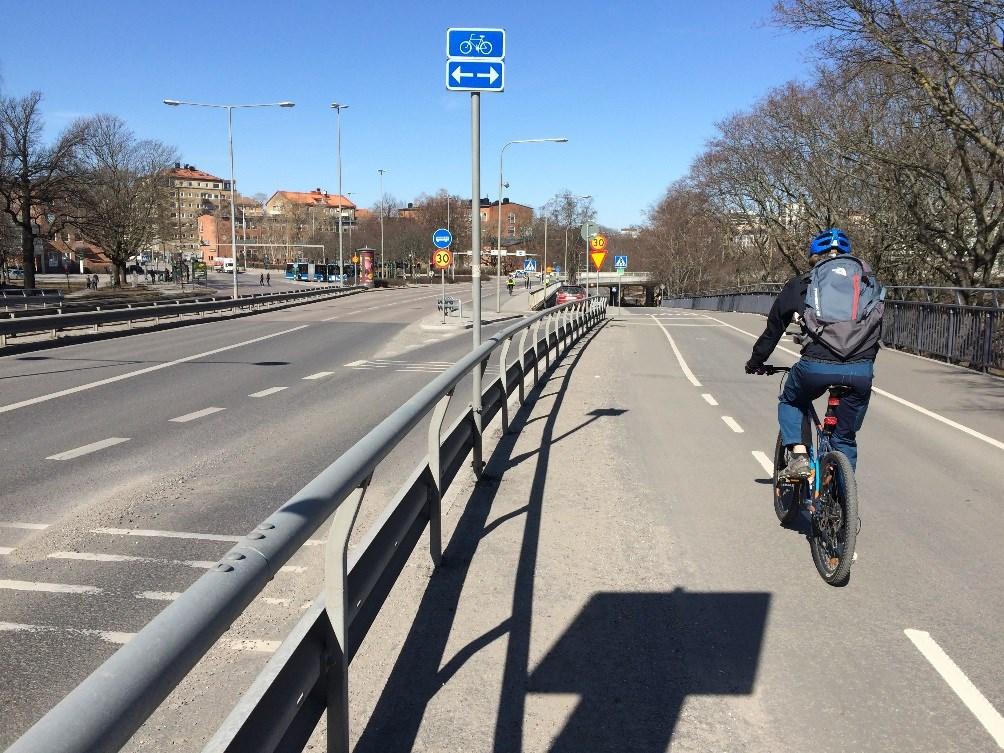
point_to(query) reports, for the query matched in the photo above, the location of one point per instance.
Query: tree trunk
(27, 245)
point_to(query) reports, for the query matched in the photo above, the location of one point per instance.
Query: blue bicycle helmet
(830, 240)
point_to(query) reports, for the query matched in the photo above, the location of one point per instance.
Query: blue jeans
(807, 381)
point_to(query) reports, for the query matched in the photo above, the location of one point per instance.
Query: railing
(53, 323)
(24, 298)
(540, 295)
(309, 672)
(966, 334)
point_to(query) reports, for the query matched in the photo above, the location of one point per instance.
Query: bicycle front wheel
(835, 519)
(785, 492)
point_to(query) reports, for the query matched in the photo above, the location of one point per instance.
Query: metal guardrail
(25, 298)
(53, 323)
(969, 335)
(309, 672)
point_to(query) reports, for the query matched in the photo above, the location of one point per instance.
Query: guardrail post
(436, 468)
(503, 358)
(547, 340)
(336, 590)
(522, 365)
(535, 339)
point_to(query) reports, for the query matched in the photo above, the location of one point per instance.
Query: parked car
(569, 293)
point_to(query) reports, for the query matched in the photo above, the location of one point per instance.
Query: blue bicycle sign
(475, 44)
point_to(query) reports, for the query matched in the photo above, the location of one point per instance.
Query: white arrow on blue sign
(442, 238)
(620, 262)
(530, 265)
(475, 76)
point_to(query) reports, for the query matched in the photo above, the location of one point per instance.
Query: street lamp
(341, 264)
(230, 143)
(383, 269)
(498, 273)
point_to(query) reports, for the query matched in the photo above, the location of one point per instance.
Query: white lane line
(102, 557)
(138, 372)
(709, 399)
(920, 409)
(266, 393)
(355, 363)
(968, 693)
(87, 449)
(679, 356)
(6, 549)
(53, 588)
(732, 424)
(158, 595)
(165, 534)
(109, 636)
(25, 526)
(381, 306)
(196, 414)
(320, 375)
(765, 462)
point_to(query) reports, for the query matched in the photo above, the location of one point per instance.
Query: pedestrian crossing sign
(620, 262)
(529, 265)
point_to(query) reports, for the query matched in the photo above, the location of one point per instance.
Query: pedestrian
(268, 279)
(261, 280)
(526, 282)
(95, 282)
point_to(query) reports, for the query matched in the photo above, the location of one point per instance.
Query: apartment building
(193, 193)
(321, 208)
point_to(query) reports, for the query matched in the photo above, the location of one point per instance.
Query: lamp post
(383, 268)
(337, 107)
(498, 273)
(230, 144)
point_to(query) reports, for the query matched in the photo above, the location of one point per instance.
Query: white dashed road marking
(355, 363)
(25, 526)
(159, 595)
(320, 375)
(165, 534)
(731, 423)
(53, 588)
(147, 370)
(101, 557)
(765, 462)
(196, 414)
(709, 399)
(266, 393)
(87, 449)
(968, 693)
(679, 356)
(111, 636)
(6, 549)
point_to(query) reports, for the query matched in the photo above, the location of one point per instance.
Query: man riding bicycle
(839, 306)
(510, 284)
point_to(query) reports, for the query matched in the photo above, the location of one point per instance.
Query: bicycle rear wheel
(785, 493)
(835, 519)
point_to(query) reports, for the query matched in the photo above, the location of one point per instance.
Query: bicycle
(476, 42)
(829, 494)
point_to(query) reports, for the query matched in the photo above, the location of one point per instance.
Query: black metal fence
(970, 335)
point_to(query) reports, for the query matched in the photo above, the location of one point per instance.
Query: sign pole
(442, 278)
(476, 268)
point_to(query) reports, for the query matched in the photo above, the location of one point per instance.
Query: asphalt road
(838, 669)
(129, 465)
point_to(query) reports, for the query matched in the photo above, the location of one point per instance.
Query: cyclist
(510, 283)
(824, 363)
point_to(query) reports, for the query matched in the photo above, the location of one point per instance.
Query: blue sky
(636, 87)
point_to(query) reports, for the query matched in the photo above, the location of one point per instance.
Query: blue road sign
(620, 262)
(530, 265)
(475, 76)
(557, 269)
(475, 44)
(442, 238)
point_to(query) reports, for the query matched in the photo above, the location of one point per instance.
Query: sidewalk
(553, 624)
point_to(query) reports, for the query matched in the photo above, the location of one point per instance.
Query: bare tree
(35, 177)
(122, 206)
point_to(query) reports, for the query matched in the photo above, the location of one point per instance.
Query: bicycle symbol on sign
(476, 42)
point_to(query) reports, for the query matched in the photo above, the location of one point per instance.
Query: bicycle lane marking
(895, 398)
(679, 356)
(961, 685)
(140, 372)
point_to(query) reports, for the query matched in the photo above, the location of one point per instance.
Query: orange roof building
(328, 204)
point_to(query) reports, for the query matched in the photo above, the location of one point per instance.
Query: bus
(299, 270)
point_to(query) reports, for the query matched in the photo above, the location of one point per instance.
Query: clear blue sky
(635, 86)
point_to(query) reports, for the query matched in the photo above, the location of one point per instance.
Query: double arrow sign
(476, 75)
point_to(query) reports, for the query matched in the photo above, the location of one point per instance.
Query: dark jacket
(790, 301)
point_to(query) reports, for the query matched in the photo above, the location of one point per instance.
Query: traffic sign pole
(476, 269)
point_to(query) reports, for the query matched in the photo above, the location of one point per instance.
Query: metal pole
(476, 267)
(543, 272)
(341, 262)
(442, 279)
(233, 211)
(382, 267)
(566, 253)
(498, 273)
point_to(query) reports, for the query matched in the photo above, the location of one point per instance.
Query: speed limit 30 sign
(442, 259)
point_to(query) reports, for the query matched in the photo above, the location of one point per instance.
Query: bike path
(625, 585)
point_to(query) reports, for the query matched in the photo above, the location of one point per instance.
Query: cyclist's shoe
(798, 468)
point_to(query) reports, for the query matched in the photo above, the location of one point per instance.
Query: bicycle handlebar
(767, 370)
